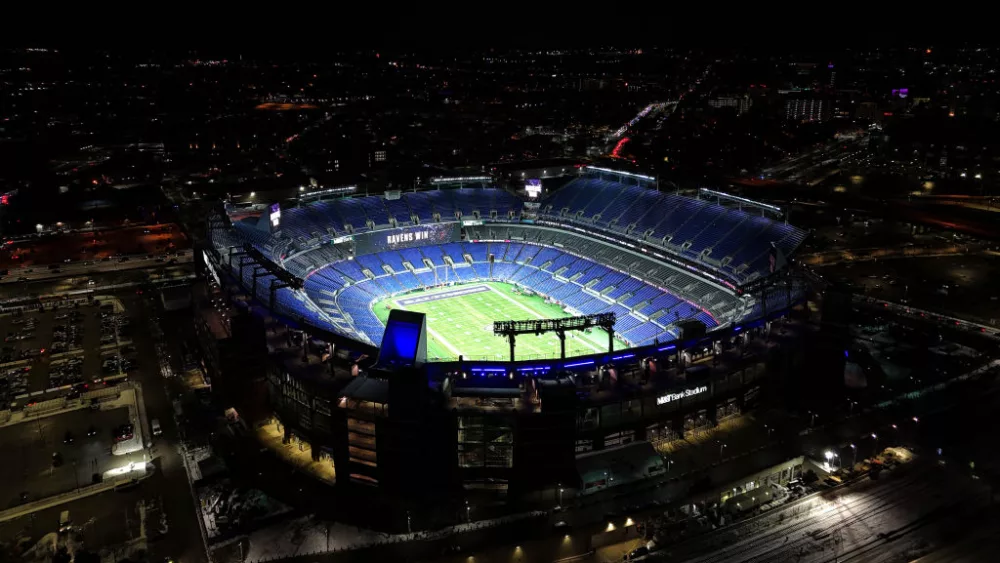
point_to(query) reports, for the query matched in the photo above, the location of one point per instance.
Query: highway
(71, 269)
(816, 163)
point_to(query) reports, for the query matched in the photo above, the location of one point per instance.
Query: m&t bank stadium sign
(664, 399)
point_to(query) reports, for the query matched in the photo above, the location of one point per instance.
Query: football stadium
(596, 245)
(507, 336)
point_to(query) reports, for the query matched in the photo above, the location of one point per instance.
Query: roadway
(32, 251)
(815, 162)
(888, 519)
(68, 284)
(88, 268)
(183, 540)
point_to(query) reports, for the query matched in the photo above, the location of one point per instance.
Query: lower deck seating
(341, 290)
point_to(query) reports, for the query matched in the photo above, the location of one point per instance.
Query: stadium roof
(364, 388)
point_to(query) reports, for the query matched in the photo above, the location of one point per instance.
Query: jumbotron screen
(275, 211)
(534, 187)
(406, 237)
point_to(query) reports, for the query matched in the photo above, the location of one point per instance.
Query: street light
(875, 437)
(854, 457)
(829, 455)
(721, 448)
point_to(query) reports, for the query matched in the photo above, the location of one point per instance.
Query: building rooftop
(364, 388)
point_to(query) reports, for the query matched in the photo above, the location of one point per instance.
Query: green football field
(460, 321)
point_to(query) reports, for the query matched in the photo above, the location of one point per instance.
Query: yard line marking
(438, 336)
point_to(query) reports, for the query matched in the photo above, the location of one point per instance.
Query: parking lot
(67, 350)
(59, 453)
(963, 286)
(108, 519)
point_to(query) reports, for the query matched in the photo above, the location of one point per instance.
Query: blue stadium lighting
(535, 368)
(491, 370)
(337, 302)
(621, 173)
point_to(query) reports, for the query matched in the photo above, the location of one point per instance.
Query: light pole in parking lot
(854, 456)
(830, 456)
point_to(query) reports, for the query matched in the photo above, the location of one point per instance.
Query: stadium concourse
(602, 243)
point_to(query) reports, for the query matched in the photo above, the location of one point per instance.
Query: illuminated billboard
(275, 215)
(534, 187)
(669, 397)
(407, 237)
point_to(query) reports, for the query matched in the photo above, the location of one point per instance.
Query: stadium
(614, 290)
(597, 245)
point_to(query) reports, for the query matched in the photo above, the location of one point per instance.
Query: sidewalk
(54, 407)
(269, 435)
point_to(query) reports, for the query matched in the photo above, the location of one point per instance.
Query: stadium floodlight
(454, 179)
(622, 173)
(724, 195)
(510, 329)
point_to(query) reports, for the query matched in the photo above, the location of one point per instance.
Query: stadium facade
(685, 277)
